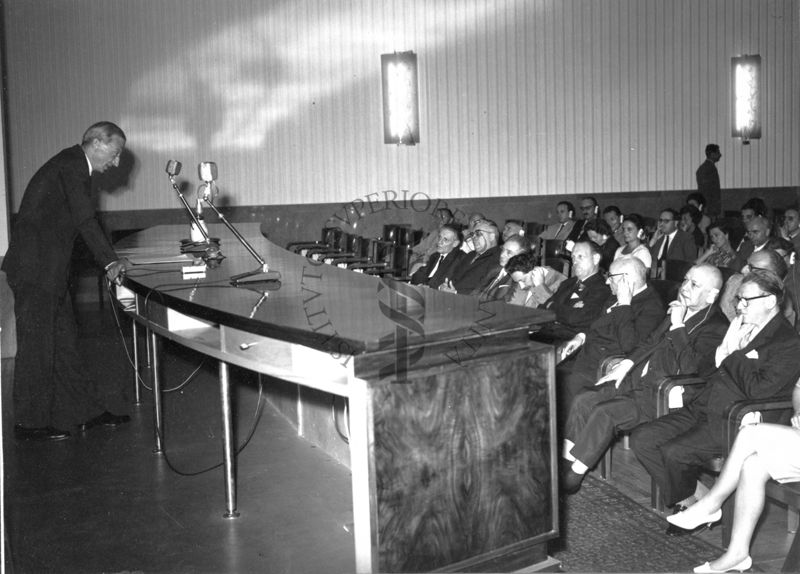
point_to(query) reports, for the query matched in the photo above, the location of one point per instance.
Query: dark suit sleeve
(769, 374)
(580, 318)
(634, 323)
(696, 354)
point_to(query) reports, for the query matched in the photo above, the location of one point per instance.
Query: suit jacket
(552, 230)
(766, 367)
(707, 177)
(619, 329)
(496, 288)
(576, 314)
(56, 207)
(472, 271)
(420, 277)
(577, 233)
(681, 247)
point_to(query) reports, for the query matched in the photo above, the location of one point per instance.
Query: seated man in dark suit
(679, 244)
(579, 300)
(630, 315)
(626, 397)
(441, 263)
(756, 359)
(499, 287)
(473, 269)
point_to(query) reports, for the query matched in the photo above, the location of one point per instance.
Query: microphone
(173, 168)
(208, 171)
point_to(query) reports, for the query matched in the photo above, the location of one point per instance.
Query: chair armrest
(607, 364)
(737, 410)
(667, 384)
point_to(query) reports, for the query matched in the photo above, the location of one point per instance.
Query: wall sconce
(746, 111)
(400, 98)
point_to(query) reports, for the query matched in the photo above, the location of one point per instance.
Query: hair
(590, 198)
(715, 274)
(612, 209)
(599, 226)
(636, 219)
(522, 262)
(102, 131)
(776, 264)
(698, 197)
(634, 266)
(452, 228)
(447, 212)
(711, 148)
(756, 204)
(675, 215)
(767, 281)
(723, 226)
(569, 205)
(594, 248)
(693, 212)
(516, 221)
(523, 243)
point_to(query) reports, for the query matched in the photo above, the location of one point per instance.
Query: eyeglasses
(745, 301)
(610, 275)
(662, 220)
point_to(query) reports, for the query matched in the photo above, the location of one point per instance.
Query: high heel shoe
(740, 567)
(684, 519)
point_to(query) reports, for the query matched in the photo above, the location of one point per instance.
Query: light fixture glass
(400, 98)
(745, 71)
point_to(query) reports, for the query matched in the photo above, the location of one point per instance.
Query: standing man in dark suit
(630, 316)
(626, 397)
(671, 242)
(474, 268)
(756, 359)
(51, 390)
(441, 263)
(707, 175)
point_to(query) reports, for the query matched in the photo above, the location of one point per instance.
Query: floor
(146, 512)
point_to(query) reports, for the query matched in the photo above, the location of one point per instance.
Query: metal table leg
(135, 334)
(227, 446)
(155, 344)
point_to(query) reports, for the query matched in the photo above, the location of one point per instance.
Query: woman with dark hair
(600, 232)
(634, 235)
(720, 252)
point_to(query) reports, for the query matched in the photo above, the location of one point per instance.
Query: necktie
(663, 255)
(560, 229)
(435, 267)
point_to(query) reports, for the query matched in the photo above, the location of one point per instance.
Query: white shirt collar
(88, 162)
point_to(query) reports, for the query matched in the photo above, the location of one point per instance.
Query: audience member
(565, 212)
(626, 396)
(440, 264)
(513, 228)
(766, 259)
(467, 245)
(671, 242)
(589, 210)
(579, 300)
(698, 200)
(707, 175)
(499, 286)
(761, 452)
(630, 315)
(753, 207)
(690, 218)
(600, 232)
(756, 359)
(791, 227)
(472, 271)
(613, 216)
(758, 232)
(720, 253)
(634, 235)
(427, 246)
(536, 284)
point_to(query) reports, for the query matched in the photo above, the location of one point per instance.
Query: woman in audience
(720, 252)
(690, 220)
(600, 232)
(634, 234)
(760, 452)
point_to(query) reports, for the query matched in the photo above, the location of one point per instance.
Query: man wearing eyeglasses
(671, 242)
(624, 398)
(632, 312)
(474, 268)
(756, 359)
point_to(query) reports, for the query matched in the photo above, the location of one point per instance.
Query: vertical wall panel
(517, 97)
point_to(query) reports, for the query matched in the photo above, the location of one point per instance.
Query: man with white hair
(684, 342)
(473, 269)
(632, 312)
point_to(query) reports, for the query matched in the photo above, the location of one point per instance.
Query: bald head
(700, 287)
(633, 268)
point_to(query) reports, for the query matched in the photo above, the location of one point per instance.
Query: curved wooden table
(452, 434)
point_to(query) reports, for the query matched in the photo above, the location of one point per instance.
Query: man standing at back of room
(707, 175)
(51, 390)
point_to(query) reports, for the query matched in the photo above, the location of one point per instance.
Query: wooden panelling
(517, 98)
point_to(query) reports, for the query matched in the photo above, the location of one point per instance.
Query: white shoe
(740, 567)
(684, 519)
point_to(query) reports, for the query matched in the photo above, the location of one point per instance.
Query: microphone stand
(257, 275)
(189, 209)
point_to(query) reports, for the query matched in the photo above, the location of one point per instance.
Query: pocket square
(752, 354)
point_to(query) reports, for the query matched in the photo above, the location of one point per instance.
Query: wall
(518, 97)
